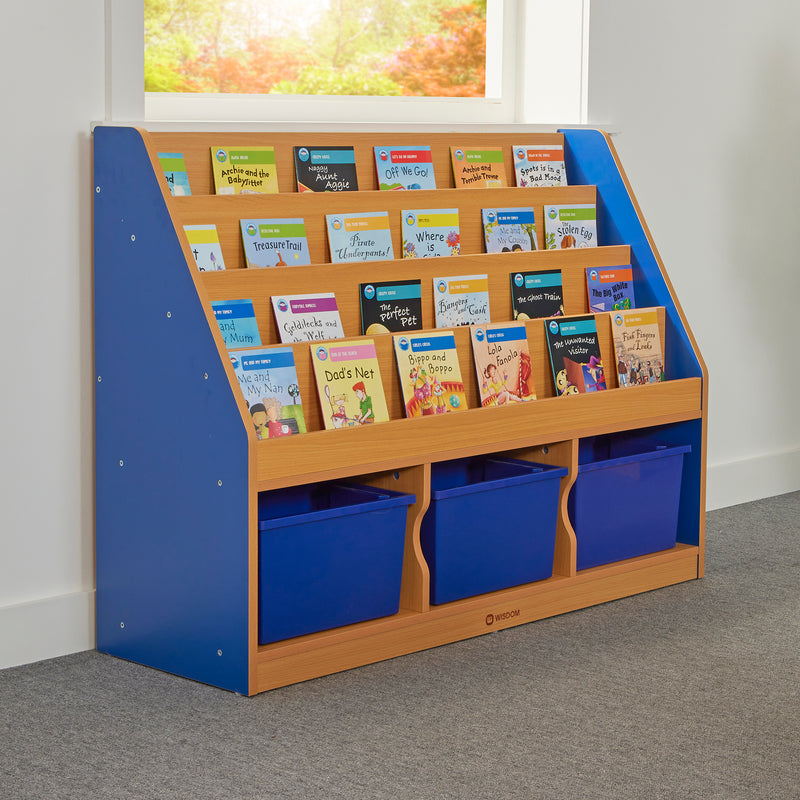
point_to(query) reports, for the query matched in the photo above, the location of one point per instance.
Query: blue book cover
(509, 230)
(610, 289)
(237, 322)
(364, 236)
(268, 380)
(431, 232)
(275, 242)
(175, 172)
(404, 168)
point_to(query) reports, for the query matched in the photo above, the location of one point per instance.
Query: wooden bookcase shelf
(179, 468)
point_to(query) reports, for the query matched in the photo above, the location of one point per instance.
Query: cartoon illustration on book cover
(637, 347)
(349, 384)
(430, 375)
(502, 363)
(570, 226)
(405, 167)
(509, 230)
(204, 244)
(575, 355)
(610, 289)
(268, 381)
(431, 232)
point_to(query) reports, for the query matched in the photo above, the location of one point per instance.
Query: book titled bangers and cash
(461, 300)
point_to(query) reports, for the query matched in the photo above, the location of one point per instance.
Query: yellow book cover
(637, 347)
(349, 383)
(244, 170)
(430, 375)
(482, 168)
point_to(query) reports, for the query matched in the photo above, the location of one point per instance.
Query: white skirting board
(47, 628)
(755, 478)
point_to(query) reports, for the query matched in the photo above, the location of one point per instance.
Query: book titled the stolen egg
(570, 226)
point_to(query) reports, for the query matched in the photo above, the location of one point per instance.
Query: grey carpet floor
(687, 692)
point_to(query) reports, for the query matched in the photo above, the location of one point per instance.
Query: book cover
(237, 323)
(325, 169)
(431, 232)
(404, 168)
(537, 294)
(268, 380)
(502, 363)
(637, 347)
(509, 230)
(539, 165)
(275, 242)
(206, 249)
(461, 300)
(174, 168)
(307, 317)
(391, 306)
(349, 383)
(362, 236)
(610, 288)
(570, 226)
(430, 375)
(478, 168)
(244, 170)
(575, 355)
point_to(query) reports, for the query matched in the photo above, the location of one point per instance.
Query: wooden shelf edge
(324, 653)
(404, 442)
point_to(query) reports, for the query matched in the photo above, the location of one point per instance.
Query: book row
(367, 236)
(252, 170)
(350, 388)
(396, 306)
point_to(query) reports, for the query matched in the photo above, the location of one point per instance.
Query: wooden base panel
(328, 652)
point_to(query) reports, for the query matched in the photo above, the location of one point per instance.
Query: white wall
(706, 96)
(51, 60)
(698, 89)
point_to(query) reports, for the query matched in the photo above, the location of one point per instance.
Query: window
(531, 70)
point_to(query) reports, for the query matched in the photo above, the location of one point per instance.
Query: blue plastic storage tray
(329, 555)
(491, 524)
(625, 500)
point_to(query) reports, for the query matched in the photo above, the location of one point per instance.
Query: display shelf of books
(219, 383)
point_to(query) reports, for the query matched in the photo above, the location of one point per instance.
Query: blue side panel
(589, 160)
(171, 448)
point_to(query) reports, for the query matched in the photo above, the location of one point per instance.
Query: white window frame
(516, 78)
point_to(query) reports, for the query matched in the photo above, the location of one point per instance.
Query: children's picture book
(431, 232)
(539, 165)
(575, 355)
(307, 317)
(362, 236)
(391, 306)
(430, 375)
(275, 242)
(237, 323)
(502, 363)
(610, 288)
(537, 294)
(349, 383)
(268, 380)
(478, 168)
(570, 226)
(404, 167)
(204, 243)
(174, 168)
(637, 347)
(461, 300)
(509, 230)
(244, 170)
(325, 169)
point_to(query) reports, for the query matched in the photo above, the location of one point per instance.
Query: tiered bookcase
(178, 465)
